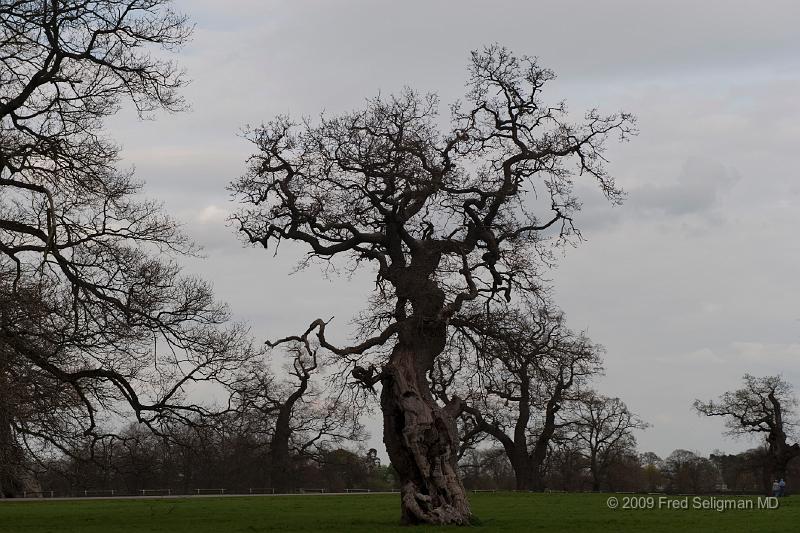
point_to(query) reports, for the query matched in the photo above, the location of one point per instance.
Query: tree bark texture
(422, 442)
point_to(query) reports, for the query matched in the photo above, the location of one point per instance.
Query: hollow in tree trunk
(422, 441)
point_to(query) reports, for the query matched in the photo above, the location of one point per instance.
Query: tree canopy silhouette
(95, 315)
(766, 406)
(445, 217)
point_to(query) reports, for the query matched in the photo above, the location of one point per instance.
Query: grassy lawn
(497, 512)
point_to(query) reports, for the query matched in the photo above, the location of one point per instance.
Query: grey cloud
(699, 189)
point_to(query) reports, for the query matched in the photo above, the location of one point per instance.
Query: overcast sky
(690, 284)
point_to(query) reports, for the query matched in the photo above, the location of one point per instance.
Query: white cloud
(213, 213)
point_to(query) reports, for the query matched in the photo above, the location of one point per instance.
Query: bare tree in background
(566, 466)
(296, 416)
(529, 365)
(687, 472)
(445, 218)
(763, 406)
(604, 428)
(93, 318)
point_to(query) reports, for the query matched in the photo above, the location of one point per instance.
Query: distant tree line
(681, 472)
(210, 459)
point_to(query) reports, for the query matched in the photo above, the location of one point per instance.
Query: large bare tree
(294, 415)
(445, 217)
(95, 314)
(528, 367)
(763, 406)
(603, 426)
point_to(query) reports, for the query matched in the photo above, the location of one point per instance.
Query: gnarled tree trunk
(780, 453)
(421, 437)
(422, 441)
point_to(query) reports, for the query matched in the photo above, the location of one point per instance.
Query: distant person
(782, 488)
(776, 488)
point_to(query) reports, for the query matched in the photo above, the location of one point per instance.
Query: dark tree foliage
(686, 472)
(94, 315)
(652, 475)
(444, 217)
(763, 406)
(749, 471)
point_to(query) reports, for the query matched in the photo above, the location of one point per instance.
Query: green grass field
(496, 512)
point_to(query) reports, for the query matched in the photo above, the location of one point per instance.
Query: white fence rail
(156, 492)
(209, 491)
